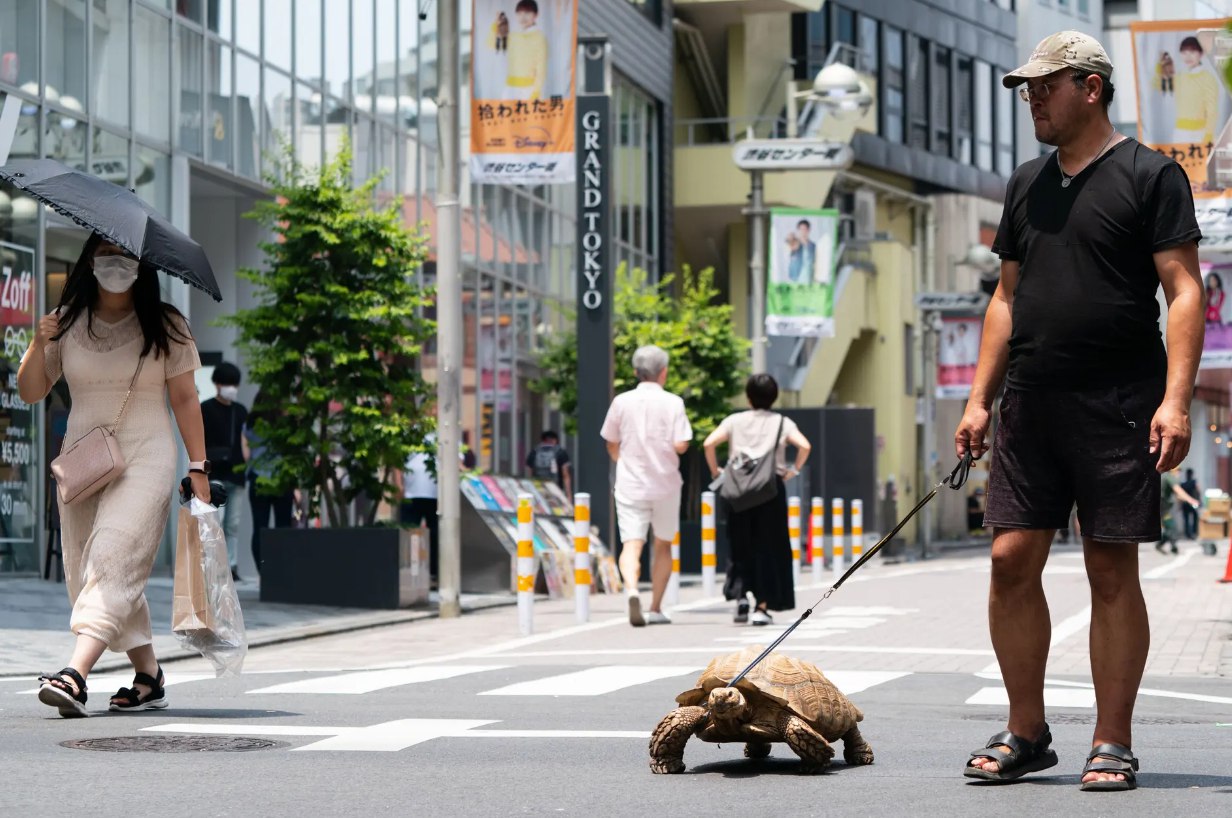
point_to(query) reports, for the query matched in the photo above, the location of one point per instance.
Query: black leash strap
(956, 479)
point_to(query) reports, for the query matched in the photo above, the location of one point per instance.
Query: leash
(956, 479)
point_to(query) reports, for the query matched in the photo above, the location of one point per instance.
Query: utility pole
(756, 212)
(449, 310)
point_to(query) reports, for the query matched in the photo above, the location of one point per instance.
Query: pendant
(1065, 182)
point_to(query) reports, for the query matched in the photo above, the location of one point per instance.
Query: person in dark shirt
(550, 461)
(227, 450)
(1094, 410)
(1189, 512)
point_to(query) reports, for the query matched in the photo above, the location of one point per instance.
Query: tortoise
(781, 699)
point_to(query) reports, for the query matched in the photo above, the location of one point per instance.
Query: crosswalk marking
(104, 681)
(1053, 697)
(594, 681)
(370, 680)
(857, 681)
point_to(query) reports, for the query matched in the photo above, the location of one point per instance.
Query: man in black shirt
(1094, 410)
(227, 450)
(550, 461)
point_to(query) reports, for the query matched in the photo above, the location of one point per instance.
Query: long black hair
(158, 319)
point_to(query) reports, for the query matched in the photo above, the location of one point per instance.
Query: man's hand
(972, 430)
(1170, 434)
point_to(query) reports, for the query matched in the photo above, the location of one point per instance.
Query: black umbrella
(117, 214)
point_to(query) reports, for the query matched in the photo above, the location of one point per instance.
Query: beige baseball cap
(1065, 49)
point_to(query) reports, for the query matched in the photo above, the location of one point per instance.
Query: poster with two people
(524, 55)
(800, 295)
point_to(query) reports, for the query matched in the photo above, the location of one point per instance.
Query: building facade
(190, 102)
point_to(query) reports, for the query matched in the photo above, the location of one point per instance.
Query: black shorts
(1053, 450)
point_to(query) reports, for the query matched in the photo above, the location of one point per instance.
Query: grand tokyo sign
(792, 154)
(592, 215)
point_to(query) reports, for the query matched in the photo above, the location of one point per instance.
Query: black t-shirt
(224, 428)
(547, 461)
(1085, 313)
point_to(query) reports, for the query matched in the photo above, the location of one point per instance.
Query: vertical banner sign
(17, 432)
(1217, 345)
(593, 277)
(1182, 105)
(958, 350)
(800, 268)
(522, 91)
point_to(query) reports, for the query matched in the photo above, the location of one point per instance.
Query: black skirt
(761, 554)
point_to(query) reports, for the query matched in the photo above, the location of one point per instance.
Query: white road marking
(1053, 697)
(796, 648)
(368, 681)
(104, 681)
(1171, 565)
(1060, 632)
(594, 681)
(857, 681)
(1145, 691)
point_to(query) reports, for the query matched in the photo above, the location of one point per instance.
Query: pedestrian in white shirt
(419, 497)
(646, 430)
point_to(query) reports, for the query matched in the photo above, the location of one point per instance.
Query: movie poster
(800, 291)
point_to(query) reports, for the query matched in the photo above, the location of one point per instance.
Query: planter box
(345, 567)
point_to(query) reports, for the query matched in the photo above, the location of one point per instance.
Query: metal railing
(721, 130)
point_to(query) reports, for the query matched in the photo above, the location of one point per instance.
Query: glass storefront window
(19, 56)
(152, 81)
(191, 89)
(276, 128)
(109, 156)
(893, 82)
(248, 25)
(983, 115)
(191, 9)
(941, 100)
(248, 122)
(109, 100)
(1005, 128)
(66, 53)
(64, 138)
(220, 112)
(278, 33)
(219, 19)
(964, 97)
(386, 83)
(152, 178)
(308, 40)
(363, 53)
(308, 124)
(337, 49)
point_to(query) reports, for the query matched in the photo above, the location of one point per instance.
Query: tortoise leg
(856, 751)
(811, 746)
(756, 749)
(669, 737)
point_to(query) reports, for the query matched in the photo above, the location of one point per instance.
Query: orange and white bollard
(709, 559)
(857, 530)
(817, 554)
(672, 597)
(581, 555)
(839, 535)
(526, 565)
(793, 534)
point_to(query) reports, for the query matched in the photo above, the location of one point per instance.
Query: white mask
(115, 274)
(228, 392)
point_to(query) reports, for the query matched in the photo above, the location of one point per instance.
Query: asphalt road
(465, 718)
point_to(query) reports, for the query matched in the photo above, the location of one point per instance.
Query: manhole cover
(173, 744)
(1087, 718)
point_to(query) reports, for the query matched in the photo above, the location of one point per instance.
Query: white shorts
(661, 514)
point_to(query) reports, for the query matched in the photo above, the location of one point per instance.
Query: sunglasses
(1041, 91)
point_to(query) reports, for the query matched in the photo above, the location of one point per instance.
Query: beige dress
(110, 539)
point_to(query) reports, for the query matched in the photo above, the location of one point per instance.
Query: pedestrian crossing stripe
(593, 681)
(371, 680)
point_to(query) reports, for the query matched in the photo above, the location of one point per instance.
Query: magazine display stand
(490, 530)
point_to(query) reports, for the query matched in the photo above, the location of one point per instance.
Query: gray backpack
(747, 482)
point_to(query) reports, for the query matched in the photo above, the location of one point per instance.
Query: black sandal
(1112, 758)
(1024, 757)
(56, 692)
(131, 699)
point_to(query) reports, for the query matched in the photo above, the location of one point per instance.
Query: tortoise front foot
(815, 753)
(669, 737)
(856, 751)
(756, 750)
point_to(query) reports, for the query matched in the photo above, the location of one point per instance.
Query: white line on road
(1171, 565)
(1053, 697)
(1145, 691)
(857, 681)
(594, 681)
(1060, 632)
(368, 681)
(796, 648)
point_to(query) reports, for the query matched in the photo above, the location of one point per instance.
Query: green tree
(708, 359)
(336, 339)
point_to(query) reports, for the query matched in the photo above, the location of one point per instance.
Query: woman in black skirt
(760, 545)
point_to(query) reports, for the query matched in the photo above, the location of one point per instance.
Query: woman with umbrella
(111, 335)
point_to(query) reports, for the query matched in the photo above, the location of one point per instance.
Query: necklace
(1065, 180)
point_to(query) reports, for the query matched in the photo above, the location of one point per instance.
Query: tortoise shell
(780, 680)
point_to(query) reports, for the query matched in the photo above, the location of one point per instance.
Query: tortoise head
(727, 703)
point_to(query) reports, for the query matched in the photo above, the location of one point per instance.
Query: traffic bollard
(837, 532)
(581, 555)
(526, 565)
(793, 533)
(672, 597)
(708, 530)
(817, 554)
(857, 530)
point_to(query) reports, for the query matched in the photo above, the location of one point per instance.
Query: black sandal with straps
(1024, 757)
(56, 692)
(1111, 758)
(131, 700)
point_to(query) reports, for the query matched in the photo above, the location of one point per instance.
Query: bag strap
(116, 423)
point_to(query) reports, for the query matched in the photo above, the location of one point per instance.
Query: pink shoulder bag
(94, 459)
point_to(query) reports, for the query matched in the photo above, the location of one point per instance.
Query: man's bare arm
(1178, 272)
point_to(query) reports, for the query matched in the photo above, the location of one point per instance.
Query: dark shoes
(1024, 756)
(742, 612)
(130, 700)
(65, 691)
(235, 575)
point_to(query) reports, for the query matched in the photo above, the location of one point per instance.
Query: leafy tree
(336, 338)
(708, 358)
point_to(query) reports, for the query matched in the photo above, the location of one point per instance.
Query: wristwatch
(199, 466)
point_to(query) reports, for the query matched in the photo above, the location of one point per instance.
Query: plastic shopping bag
(205, 609)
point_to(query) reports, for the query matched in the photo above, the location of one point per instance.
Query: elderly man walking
(646, 432)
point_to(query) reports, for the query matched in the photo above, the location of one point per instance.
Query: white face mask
(115, 274)
(228, 392)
